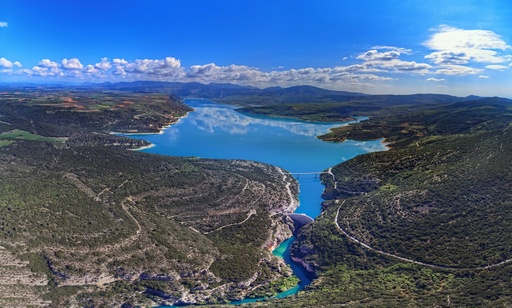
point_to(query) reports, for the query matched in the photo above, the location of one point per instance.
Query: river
(217, 131)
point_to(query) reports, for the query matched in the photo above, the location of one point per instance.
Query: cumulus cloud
(72, 64)
(167, 66)
(5, 63)
(3, 24)
(48, 68)
(483, 76)
(386, 59)
(454, 46)
(92, 70)
(119, 62)
(240, 73)
(17, 64)
(45, 71)
(374, 55)
(103, 65)
(376, 66)
(435, 79)
(48, 63)
(170, 69)
(464, 52)
(246, 75)
(119, 71)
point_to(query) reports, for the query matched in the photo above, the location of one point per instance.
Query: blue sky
(371, 46)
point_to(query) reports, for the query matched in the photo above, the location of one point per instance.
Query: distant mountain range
(248, 95)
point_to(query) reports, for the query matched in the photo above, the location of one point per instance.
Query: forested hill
(429, 220)
(231, 93)
(84, 222)
(277, 96)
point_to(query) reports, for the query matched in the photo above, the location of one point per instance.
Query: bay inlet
(217, 131)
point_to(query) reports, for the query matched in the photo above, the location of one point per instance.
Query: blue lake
(217, 131)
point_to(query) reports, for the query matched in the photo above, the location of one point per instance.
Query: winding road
(436, 266)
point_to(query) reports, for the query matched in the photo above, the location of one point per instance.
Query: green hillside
(434, 213)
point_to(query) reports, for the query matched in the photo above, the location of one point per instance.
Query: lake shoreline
(289, 145)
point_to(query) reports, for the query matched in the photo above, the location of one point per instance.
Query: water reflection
(212, 119)
(217, 131)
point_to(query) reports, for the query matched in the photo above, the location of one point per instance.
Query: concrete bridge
(315, 174)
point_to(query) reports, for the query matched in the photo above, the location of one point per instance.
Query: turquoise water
(217, 131)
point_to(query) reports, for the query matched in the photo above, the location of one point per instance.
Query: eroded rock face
(19, 286)
(303, 251)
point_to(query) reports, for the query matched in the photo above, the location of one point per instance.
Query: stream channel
(217, 131)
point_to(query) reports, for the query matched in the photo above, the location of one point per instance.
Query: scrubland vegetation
(100, 225)
(85, 222)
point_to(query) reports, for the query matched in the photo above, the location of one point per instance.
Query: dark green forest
(440, 195)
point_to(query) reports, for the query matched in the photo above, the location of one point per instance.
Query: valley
(424, 223)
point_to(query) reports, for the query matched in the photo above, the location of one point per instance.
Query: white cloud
(48, 63)
(374, 68)
(391, 53)
(91, 70)
(448, 57)
(457, 70)
(18, 64)
(462, 52)
(119, 62)
(3, 24)
(150, 69)
(119, 71)
(170, 69)
(435, 79)
(374, 55)
(386, 59)
(240, 73)
(45, 71)
(454, 46)
(72, 64)
(483, 76)
(496, 67)
(103, 65)
(156, 67)
(5, 63)
(399, 49)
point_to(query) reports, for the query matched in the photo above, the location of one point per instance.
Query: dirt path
(139, 228)
(293, 202)
(251, 212)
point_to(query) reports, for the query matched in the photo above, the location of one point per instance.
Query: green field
(6, 138)
(5, 142)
